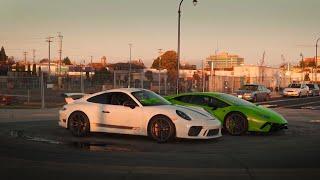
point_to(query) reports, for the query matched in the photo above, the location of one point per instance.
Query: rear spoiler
(70, 97)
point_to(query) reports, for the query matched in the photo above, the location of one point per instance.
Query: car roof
(124, 90)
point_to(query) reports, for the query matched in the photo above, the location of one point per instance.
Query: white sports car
(137, 112)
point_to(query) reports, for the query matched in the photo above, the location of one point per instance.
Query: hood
(194, 113)
(267, 114)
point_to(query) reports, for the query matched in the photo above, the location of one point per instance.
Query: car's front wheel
(161, 129)
(236, 124)
(79, 124)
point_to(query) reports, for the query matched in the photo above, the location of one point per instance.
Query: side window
(118, 98)
(217, 103)
(100, 99)
(185, 99)
(200, 100)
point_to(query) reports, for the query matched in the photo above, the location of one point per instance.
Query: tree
(168, 61)
(66, 61)
(3, 56)
(306, 77)
(44, 61)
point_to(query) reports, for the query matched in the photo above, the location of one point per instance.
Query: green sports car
(237, 116)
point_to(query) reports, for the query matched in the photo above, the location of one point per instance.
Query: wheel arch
(161, 115)
(77, 111)
(231, 112)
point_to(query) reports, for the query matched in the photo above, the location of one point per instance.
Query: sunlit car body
(225, 107)
(296, 90)
(137, 112)
(253, 92)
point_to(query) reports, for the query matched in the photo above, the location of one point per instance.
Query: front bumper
(291, 93)
(245, 97)
(198, 130)
(274, 126)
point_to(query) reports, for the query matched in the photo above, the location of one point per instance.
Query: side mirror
(129, 104)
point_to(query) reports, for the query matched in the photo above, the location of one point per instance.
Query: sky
(105, 28)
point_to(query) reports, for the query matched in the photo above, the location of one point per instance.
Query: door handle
(105, 111)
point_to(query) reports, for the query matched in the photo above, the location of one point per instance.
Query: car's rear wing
(70, 97)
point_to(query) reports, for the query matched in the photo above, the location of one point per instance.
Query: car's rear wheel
(79, 124)
(161, 129)
(236, 124)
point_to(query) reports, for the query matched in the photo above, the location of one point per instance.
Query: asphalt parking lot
(34, 147)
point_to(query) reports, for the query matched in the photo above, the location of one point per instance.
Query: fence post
(114, 79)
(28, 95)
(42, 91)
(142, 77)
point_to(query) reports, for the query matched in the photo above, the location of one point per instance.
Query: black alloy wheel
(79, 124)
(161, 129)
(236, 124)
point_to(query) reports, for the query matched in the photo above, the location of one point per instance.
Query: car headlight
(183, 115)
(63, 108)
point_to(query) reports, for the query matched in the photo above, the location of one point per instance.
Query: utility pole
(160, 53)
(203, 76)
(49, 48)
(33, 56)
(316, 59)
(60, 51)
(129, 83)
(91, 57)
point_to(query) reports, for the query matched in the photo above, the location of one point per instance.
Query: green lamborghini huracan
(237, 116)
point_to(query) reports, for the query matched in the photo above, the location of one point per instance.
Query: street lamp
(316, 59)
(302, 67)
(178, 51)
(129, 78)
(160, 53)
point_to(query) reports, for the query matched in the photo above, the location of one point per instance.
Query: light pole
(160, 53)
(129, 79)
(316, 59)
(302, 67)
(178, 51)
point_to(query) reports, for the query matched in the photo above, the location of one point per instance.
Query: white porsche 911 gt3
(137, 112)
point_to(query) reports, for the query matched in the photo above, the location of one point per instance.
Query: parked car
(236, 115)
(253, 92)
(137, 112)
(8, 100)
(313, 89)
(296, 89)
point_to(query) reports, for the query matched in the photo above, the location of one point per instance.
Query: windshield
(235, 100)
(294, 85)
(149, 98)
(311, 86)
(249, 87)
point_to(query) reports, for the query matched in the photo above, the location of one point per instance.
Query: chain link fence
(28, 89)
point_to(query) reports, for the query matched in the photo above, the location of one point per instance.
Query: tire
(236, 124)
(78, 124)
(161, 129)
